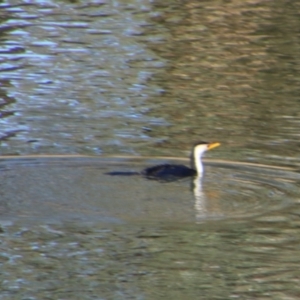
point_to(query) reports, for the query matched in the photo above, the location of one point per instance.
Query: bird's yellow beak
(213, 145)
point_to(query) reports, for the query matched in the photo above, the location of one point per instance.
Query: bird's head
(198, 150)
(201, 147)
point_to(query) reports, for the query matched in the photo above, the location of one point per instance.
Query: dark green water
(148, 78)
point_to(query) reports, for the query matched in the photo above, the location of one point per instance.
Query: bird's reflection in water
(200, 199)
(206, 205)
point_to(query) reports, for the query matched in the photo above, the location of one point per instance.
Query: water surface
(146, 78)
(70, 230)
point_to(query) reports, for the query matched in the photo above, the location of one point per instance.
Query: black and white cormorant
(179, 171)
(170, 171)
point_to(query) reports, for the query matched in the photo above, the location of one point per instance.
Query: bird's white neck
(198, 151)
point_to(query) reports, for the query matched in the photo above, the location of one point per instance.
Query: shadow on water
(64, 220)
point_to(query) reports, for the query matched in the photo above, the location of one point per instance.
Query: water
(76, 188)
(146, 262)
(146, 79)
(69, 230)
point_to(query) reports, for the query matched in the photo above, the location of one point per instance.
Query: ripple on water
(77, 187)
(69, 229)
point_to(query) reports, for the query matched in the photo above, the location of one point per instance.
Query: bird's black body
(164, 172)
(168, 171)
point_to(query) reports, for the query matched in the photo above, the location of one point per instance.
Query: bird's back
(168, 171)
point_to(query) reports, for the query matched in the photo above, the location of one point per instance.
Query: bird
(170, 172)
(181, 171)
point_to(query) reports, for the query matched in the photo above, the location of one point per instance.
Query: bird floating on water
(172, 172)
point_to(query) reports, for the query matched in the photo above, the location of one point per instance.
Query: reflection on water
(200, 198)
